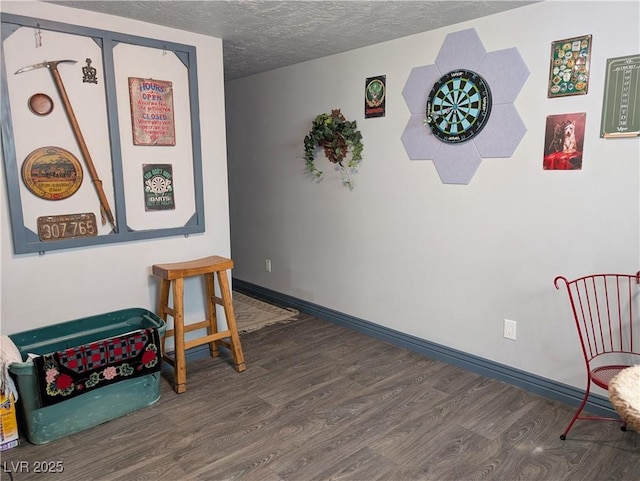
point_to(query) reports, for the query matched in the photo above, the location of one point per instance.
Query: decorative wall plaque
(158, 187)
(152, 112)
(569, 70)
(52, 173)
(375, 96)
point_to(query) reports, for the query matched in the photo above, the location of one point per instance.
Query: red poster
(152, 112)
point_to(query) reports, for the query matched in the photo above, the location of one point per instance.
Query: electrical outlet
(267, 265)
(509, 329)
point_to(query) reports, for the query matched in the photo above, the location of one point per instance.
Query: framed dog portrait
(564, 140)
(569, 69)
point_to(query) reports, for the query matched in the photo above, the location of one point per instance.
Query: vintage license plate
(70, 226)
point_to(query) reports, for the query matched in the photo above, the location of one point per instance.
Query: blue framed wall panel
(131, 222)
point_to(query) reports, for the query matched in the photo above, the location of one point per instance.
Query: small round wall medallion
(40, 104)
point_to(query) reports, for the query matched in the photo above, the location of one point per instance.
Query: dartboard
(458, 106)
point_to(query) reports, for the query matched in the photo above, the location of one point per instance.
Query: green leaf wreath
(336, 136)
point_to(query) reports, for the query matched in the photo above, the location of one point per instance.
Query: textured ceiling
(264, 35)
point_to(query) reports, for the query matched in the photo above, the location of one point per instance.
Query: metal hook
(38, 35)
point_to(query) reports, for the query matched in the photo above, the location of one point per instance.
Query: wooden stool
(176, 272)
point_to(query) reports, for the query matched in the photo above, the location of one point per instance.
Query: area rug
(253, 314)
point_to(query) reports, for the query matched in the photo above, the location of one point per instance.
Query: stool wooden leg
(180, 368)
(163, 304)
(211, 312)
(236, 348)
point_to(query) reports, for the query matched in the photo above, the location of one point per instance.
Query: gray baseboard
(548, 388)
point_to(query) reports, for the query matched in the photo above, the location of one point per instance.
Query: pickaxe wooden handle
(57, 79)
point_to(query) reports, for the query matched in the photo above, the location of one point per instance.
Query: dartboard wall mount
(462, 107)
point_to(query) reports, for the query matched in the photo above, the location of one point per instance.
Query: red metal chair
(606, 310)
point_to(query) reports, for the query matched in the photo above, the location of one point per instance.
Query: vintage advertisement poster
(158, 187)
(564, 138)
(375, 91)
(152, 118)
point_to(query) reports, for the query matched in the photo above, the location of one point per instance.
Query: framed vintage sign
(79, 128)
(158, 187)
(621, 100)
(152, 119)
(569, 68)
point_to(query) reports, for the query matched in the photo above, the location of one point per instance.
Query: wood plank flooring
(321, 402)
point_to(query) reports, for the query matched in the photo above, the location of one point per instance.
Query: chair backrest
(606, 309)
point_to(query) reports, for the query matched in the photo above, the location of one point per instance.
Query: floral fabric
(74, 371)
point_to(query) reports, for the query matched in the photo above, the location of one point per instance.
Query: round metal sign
(52, 173)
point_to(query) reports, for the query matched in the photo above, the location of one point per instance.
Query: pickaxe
(53, 68)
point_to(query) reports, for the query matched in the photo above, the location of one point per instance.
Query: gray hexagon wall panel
(502, 134)
(414, 93)
(460, 50)
(504, 71)
(416, 139)
(456, 164)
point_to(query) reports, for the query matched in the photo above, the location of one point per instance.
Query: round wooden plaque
(52, 173)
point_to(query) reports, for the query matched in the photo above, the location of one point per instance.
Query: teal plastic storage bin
(44, 423)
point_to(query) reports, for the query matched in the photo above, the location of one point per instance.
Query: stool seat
(172, 277)
(192, 268)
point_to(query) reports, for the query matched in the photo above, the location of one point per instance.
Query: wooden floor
(321, 402)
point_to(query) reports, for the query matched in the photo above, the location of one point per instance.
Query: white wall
(68, 284)
(446, 263)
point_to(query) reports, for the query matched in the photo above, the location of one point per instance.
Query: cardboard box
(8, 423)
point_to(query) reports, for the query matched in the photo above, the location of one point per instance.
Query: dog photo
(564, 138)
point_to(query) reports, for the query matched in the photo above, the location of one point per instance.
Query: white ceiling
(268, 34)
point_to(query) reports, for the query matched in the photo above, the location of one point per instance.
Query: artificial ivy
(337, 136)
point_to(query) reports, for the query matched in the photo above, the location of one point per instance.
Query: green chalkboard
(621, 102)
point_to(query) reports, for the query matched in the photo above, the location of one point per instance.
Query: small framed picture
(564, 140)
(375, 90)
(569, 69)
